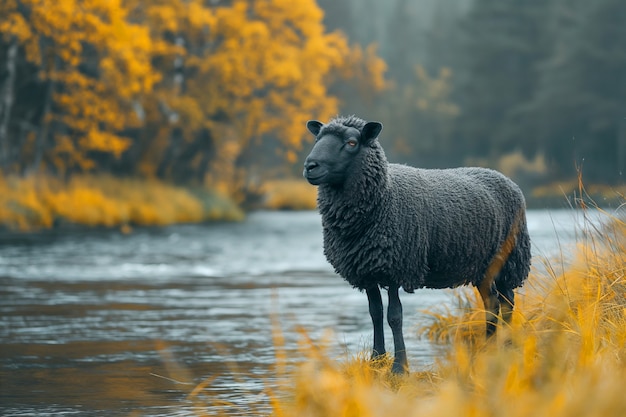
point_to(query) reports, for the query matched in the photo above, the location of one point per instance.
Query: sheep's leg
(394, 318)
(376, 312)
(489, 294)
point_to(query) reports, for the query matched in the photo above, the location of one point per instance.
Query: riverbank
(39, 203)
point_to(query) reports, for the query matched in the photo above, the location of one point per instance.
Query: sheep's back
(449, 224)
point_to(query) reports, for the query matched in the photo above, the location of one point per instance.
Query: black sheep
(395, 226)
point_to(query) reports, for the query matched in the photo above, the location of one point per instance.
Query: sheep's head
(336, 147)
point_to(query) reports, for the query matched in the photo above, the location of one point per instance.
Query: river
(102, 323)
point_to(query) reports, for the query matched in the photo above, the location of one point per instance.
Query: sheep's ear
(370, 131)
(314, 126)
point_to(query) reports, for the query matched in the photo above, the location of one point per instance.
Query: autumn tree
(238, 75)
(76, 80)
(181, 90)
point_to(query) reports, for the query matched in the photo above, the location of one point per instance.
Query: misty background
(534, 88)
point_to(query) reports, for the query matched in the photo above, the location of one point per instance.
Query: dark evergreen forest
(534, 87)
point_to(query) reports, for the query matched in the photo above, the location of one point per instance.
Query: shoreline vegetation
(42, 203)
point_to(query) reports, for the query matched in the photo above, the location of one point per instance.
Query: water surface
(101, 323)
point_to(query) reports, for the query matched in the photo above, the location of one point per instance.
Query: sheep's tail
(508, 270)
(511, 264)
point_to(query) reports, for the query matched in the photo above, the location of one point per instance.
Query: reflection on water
(99, 322)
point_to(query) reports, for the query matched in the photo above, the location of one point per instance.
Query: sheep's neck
(349, 209)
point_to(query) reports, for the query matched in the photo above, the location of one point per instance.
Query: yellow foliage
(105, 142)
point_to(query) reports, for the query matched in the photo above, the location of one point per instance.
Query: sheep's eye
(352, 143)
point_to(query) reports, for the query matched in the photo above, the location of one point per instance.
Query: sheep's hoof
(399, 368)
(378, 355)
(378, 360)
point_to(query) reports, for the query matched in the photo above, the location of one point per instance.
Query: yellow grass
(42, 202)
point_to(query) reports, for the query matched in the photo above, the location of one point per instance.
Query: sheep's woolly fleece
(391, 224)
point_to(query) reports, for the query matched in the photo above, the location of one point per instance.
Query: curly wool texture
(391, 224)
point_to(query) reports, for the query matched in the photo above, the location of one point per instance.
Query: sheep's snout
(310, 165)
(312, 171)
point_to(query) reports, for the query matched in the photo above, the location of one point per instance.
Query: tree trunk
(179, 68)
(173, 151)
(42, 134)
(207, 154)
(6, 106)
(171, 154)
